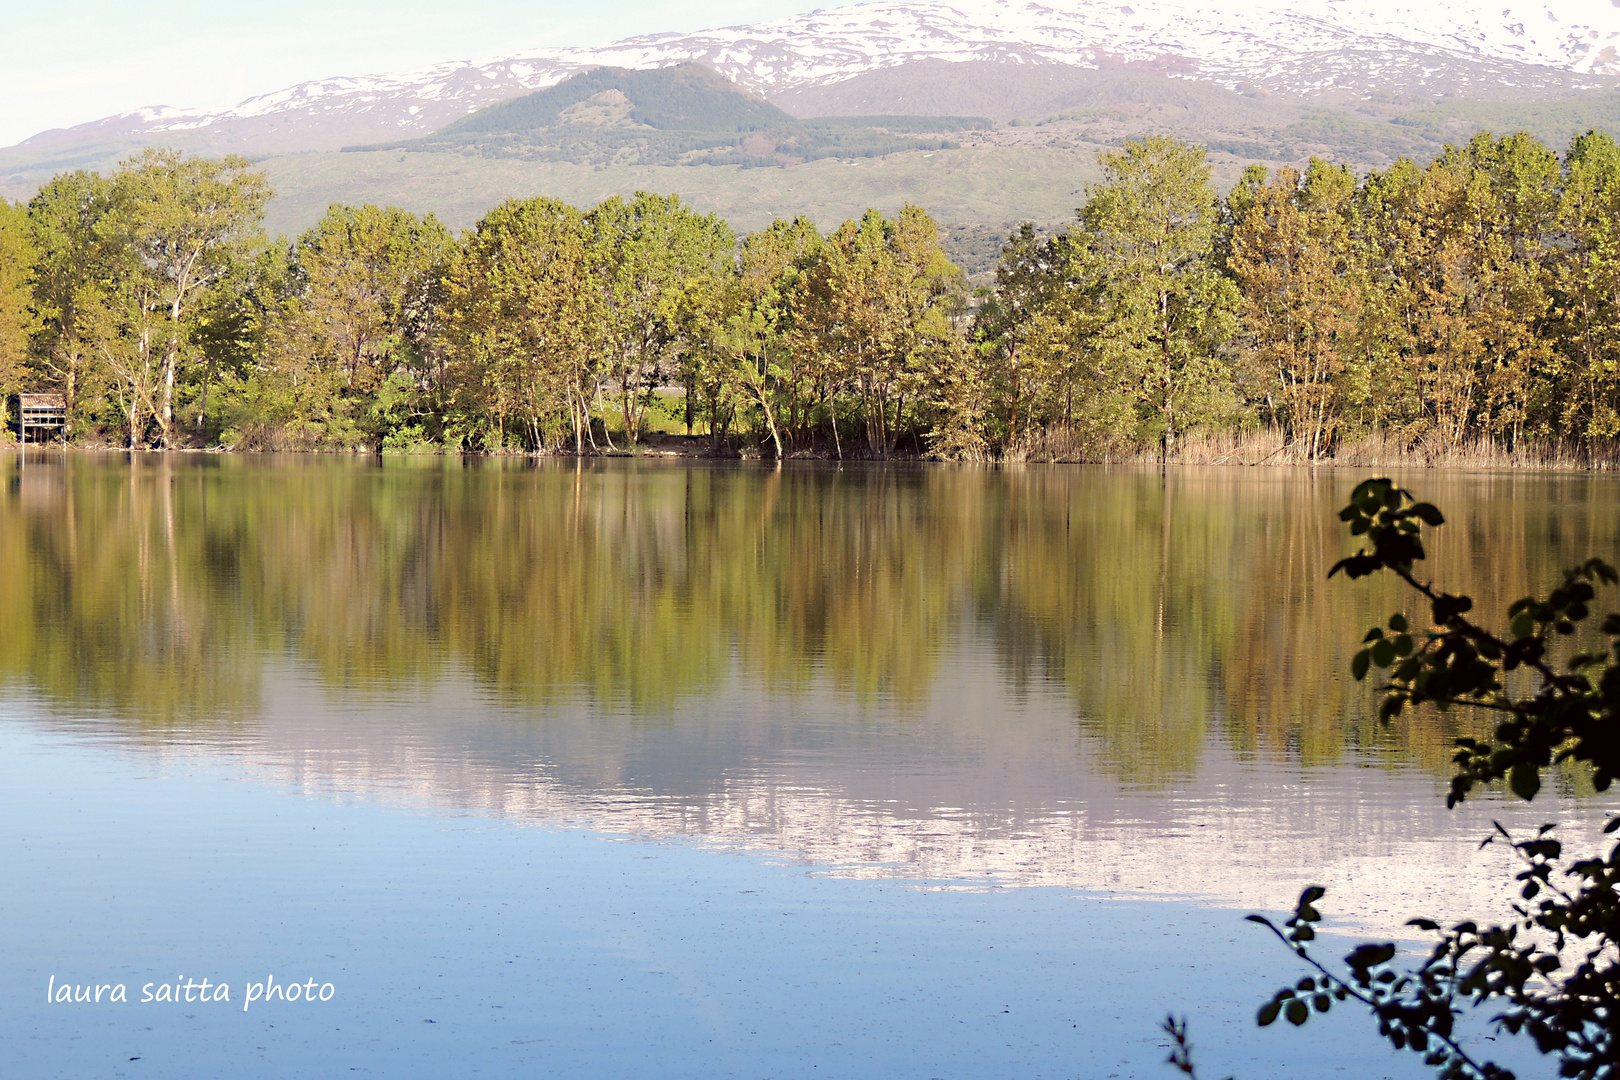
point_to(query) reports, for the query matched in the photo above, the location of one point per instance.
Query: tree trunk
(202, 410)
(770, 422)
(166, 418)
(72, 399)
(606, 434)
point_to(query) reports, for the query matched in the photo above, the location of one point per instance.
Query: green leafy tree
(525, 320)
(1008, 332)
(18, 321)
(878, 311)
(225, 334)
(1162, 308)
(347, 334)
(653, 250)
(1290, 255)
(122, 323)
(1472, 302)
(1044, 372)
(1587, 289)
(756, 334)
(182, 220)
(1474, 241)
(70, 270)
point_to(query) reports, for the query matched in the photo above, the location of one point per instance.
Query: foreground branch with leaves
(1554, 969)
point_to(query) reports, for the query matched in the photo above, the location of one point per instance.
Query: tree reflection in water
(1169, 607)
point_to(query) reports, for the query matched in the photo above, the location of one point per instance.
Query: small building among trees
(44, 413)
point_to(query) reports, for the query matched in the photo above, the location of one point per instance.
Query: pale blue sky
(70, 61)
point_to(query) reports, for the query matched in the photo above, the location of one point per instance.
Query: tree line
(1475, 300)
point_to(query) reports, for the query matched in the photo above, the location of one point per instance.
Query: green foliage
(1443, 307)
(1126, 313)
(128, 284)
(1554, 969)
(1009, 333)
(522, 325)
(63, 219)
(176, 224)
(878, 309)
(18, 321)
(756, 320)
(1471, 303)
(1584, 286)
(1571, 717)
(1160, 307)
(1291, 254)
(350, 322)
(658, 254)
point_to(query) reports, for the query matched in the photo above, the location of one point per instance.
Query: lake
(639, 768)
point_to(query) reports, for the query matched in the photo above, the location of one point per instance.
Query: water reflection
(1108, 678)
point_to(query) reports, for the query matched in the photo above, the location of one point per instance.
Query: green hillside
(1553, 122)
(1369, 135)
(984, 191)
(681, 115)
(686, 97)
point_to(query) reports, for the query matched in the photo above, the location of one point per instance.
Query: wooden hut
(42, 412)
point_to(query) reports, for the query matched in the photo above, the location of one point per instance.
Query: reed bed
(1269, 446)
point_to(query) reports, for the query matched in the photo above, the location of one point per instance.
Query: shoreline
(755, 459)
(1249, 450)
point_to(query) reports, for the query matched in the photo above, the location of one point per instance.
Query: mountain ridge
(1319, 48)
(686, 114)
(1335, 78)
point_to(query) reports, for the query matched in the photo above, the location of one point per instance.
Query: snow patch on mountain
(1300, 46)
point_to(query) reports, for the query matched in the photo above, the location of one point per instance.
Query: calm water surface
(679, 770)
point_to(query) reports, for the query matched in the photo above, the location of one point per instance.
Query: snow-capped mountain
(1342, 47)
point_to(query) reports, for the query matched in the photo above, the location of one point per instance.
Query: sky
(66, 62)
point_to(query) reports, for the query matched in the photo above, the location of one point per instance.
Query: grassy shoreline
(1248, 449)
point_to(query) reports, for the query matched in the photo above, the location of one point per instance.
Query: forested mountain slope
(682, 115)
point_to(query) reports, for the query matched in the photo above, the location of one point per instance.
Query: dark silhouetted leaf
(1428, 513)
(1525, 780)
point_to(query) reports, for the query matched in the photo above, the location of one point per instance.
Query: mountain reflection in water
(1099, 678)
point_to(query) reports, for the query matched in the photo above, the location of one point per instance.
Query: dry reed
(1269, 446)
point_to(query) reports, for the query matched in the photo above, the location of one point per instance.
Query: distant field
(986, 185)
(1036, 173)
